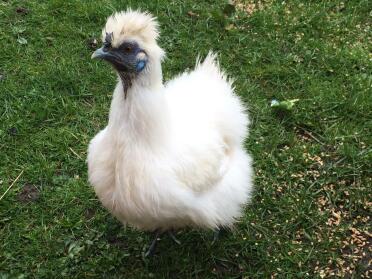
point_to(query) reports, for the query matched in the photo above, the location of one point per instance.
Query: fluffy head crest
(131, 24)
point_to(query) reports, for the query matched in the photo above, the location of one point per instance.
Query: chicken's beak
(114, 57)
(100, 53)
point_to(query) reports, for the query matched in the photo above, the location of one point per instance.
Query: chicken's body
(172, 155)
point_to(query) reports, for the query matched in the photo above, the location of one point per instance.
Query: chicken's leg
(173, 237)
(217, 233)
(158, 233)
(151, 249)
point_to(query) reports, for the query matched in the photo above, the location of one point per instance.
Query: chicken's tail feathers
(210, 63)
(211, 66)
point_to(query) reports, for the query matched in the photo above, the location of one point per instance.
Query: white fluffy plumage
(171, 155)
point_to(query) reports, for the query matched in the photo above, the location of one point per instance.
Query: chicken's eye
(128, 49)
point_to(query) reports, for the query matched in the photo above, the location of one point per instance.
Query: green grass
(311, 209)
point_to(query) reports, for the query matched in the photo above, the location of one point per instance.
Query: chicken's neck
(140, 116)
(126, 81)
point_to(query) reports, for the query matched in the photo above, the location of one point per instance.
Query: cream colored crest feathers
(131, 24)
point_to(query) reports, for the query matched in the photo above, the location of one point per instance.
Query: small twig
(11, 185)
(339, 161)
(75, 153)
(315, 138)
(311, 135)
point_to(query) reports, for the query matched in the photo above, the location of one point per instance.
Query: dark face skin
(128, 59)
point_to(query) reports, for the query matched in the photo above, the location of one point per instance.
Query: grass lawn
(310, 214)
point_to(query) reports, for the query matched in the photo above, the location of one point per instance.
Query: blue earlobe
(140, 65)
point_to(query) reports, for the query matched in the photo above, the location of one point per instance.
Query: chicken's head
(129, 42)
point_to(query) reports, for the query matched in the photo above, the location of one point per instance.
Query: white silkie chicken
(172, 154)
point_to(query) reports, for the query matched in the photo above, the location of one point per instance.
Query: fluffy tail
(232, 116)
(211, 66)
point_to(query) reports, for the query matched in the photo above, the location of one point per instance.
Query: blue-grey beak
(99, 53)
(115, 57)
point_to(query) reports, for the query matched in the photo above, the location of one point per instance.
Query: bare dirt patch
(29, 193)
